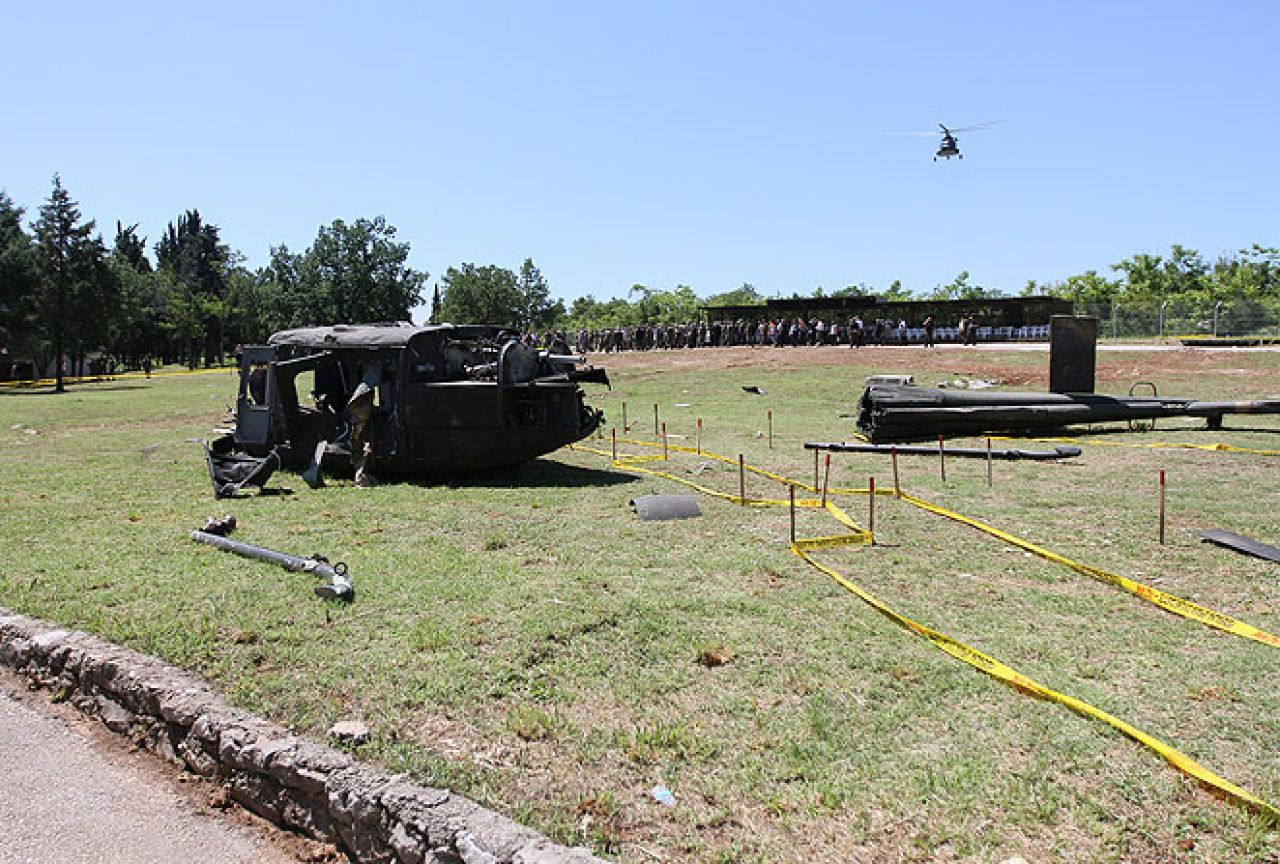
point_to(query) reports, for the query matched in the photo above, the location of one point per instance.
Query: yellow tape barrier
(971, 656)
(1170, 602)
(117, 376)
(1009, 675)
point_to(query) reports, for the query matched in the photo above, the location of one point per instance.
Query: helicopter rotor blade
(973, 128)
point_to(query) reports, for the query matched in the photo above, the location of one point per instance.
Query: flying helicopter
(949, 146)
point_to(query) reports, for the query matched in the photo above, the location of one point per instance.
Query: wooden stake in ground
(871, 508)
(942, 459)
(625, 427)
(793, 513)
(699, 436)
(826, 478)
(988, 463)
(664, 441)
(742, 480)
(770, 428)
(897, 489)
(1161, 506)
(613, 439)
(655, 418)
(815, 472)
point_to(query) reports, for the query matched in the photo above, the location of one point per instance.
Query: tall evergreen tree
(195, 262)
(68, 261)
(17, 283)
(536, 309)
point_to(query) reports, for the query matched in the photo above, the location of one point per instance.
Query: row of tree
(64, 294)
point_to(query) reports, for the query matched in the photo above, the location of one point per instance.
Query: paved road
(73, 793)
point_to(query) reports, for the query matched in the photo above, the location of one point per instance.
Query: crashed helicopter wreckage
(895, 413)
(401, 401)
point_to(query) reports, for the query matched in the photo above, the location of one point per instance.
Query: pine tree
(68, 260)
(17, 281)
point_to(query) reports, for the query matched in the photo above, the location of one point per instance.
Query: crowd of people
(777, 333)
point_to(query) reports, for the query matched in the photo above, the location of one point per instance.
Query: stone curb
(296, 783)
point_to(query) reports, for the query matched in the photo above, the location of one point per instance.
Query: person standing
(928, 331)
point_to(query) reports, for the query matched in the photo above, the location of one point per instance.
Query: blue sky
(663, 143)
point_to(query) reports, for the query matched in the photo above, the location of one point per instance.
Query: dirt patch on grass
(1027, 367)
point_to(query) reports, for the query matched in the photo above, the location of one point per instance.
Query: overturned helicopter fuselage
(406, 401)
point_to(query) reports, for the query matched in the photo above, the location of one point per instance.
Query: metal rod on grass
(742, 480)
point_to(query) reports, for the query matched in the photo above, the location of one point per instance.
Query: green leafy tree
(358, 273)
(747, 295)
(481, 295)
(1087, 287)
(70, 275)
(960, 289)
(895, 291)
(859, 290)
(17, 282)
(587, 311)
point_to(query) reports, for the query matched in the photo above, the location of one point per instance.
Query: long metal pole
(337, 583)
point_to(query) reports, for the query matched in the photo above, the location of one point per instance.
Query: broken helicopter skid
(898, 413)
(401, 401)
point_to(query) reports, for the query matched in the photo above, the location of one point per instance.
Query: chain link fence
(1174, 318)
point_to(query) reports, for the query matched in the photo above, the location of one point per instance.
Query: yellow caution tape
(1009, 675)
(971, 656)
(117, 376)
(1163, 599)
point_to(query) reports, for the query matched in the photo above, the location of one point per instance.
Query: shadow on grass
(540, 473)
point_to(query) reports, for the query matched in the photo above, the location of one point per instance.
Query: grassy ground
(526, 640)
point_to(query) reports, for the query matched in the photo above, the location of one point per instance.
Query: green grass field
(526, 640)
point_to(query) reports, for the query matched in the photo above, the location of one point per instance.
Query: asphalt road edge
(294, 782)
